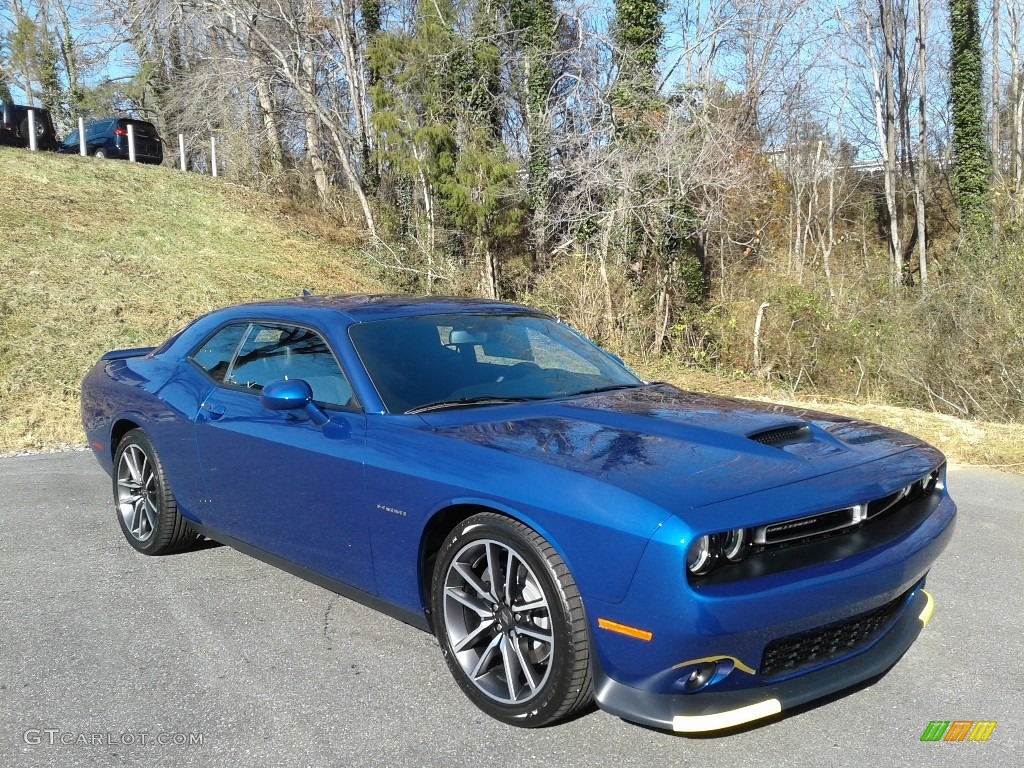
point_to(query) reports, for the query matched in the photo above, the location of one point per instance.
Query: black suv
(14, 127)
(109, 138)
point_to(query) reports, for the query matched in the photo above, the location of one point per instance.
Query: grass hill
(96, 255)
(99, 255)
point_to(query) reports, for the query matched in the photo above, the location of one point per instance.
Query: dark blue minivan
(109, 138)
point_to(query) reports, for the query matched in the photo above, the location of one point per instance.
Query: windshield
(461, 359)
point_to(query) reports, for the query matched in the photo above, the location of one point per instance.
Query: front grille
(802, 529)
(807, 527)
(797, 653)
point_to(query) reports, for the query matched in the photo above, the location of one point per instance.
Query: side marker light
(623, 629)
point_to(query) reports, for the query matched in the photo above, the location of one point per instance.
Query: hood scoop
(783, 435)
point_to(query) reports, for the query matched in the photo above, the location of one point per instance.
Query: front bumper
(712, 711)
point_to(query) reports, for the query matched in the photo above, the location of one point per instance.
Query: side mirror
(290, 395)
(286, 395)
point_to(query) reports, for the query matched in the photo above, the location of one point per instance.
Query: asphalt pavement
(211, 658)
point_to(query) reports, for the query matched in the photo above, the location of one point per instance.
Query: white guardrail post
(32, 130)
(131, 143)
(181, 150)
(213, 155)
(82, 149)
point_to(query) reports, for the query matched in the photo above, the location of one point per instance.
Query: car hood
(675, 448)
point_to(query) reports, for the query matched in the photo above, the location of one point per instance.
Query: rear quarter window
(214, 355)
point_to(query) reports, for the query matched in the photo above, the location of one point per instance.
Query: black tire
(530, 628)
(143, 500)
(100, 154)
(41, 133)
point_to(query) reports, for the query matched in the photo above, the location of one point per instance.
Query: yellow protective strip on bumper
(926, 612)
(698, 723)
(736, 662)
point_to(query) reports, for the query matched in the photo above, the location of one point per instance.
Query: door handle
(215, 412)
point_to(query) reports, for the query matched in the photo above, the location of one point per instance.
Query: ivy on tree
(971, 172)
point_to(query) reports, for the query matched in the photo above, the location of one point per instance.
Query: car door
(70, 143)
(275, 480)
(90, 137)
(95, 135)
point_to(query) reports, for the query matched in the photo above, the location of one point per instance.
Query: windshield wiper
(610, 388)
(469, 401)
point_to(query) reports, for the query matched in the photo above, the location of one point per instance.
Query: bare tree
(1015, 105)
(297, 40)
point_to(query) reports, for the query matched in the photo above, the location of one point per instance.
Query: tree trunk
(997, 150)
(355, 76)
(428, 210)
(489, 271)
(306, 85)
(355, 183)
(663, 313)
(921, 181)
(885, 118)
(1016, 109)
(602, 268)
(828, 237)
(265, 99)
(67, 52)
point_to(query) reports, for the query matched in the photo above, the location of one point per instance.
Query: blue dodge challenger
(568, 531)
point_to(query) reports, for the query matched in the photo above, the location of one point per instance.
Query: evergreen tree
(436, 112)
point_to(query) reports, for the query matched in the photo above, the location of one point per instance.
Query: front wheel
(146, 510)
(510, 622)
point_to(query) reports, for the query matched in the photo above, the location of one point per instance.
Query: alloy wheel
(137, 492)
(498, 621)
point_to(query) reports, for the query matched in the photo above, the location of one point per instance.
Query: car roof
(360, 307)
(133, 120)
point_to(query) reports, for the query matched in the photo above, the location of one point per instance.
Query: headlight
(932, 480)
(734, 545)
(699, 558)
(707, 551)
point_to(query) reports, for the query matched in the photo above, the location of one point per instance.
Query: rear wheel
(510, 622)
(41, 132)
(100, 153)
(145, 505)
